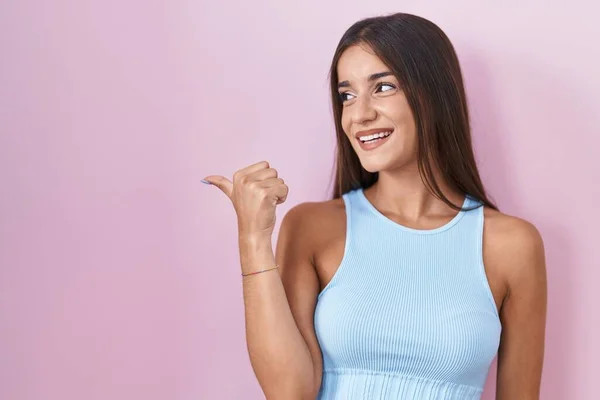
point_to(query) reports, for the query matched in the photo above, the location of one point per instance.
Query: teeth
(374, 136)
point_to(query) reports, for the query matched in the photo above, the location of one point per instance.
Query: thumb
(222, 183)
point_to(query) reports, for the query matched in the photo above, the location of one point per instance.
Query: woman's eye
(343, 96)
(386, 84)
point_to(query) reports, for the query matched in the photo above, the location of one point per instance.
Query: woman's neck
(402, 192)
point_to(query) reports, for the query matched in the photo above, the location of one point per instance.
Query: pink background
(119, 271)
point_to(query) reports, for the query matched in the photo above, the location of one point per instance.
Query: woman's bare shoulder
(510, 242)
(505, 229)
(317, 221)
(316, 214)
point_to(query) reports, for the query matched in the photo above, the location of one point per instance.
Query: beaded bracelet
(258, 272)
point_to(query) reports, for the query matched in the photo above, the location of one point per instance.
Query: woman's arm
(519, 249)
(279, 309)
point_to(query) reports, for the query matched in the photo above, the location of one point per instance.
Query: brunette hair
(422, 58)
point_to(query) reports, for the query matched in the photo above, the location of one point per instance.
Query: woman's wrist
(256, 253)
(252, 235)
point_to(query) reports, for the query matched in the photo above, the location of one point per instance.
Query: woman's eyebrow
(372, 77)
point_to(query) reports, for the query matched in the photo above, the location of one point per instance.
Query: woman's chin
(373, 165)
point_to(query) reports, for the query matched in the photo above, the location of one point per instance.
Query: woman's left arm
(523, 313)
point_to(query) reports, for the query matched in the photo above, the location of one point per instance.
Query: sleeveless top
(409, 314)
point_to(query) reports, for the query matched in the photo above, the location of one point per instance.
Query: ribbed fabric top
(409, 313)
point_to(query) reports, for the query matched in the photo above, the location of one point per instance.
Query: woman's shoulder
(512, 245)
(317, 222)
(505, 229)
(315, 214)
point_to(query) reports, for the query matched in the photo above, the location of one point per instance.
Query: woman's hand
(255, 192)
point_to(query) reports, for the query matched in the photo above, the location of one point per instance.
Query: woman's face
(373, 101)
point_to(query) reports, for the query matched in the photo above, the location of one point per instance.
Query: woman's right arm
(279, 308)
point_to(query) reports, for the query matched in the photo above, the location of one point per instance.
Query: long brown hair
(425, 63)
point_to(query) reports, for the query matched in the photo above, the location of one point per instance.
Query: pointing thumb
(222, 183)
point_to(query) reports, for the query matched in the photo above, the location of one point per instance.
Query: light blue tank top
(409, 313)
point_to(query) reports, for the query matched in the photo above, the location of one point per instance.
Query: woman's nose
(363, 111)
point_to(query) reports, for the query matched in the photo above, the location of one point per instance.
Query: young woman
(395, 288)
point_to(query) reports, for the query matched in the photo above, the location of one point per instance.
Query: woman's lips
(375, 143)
